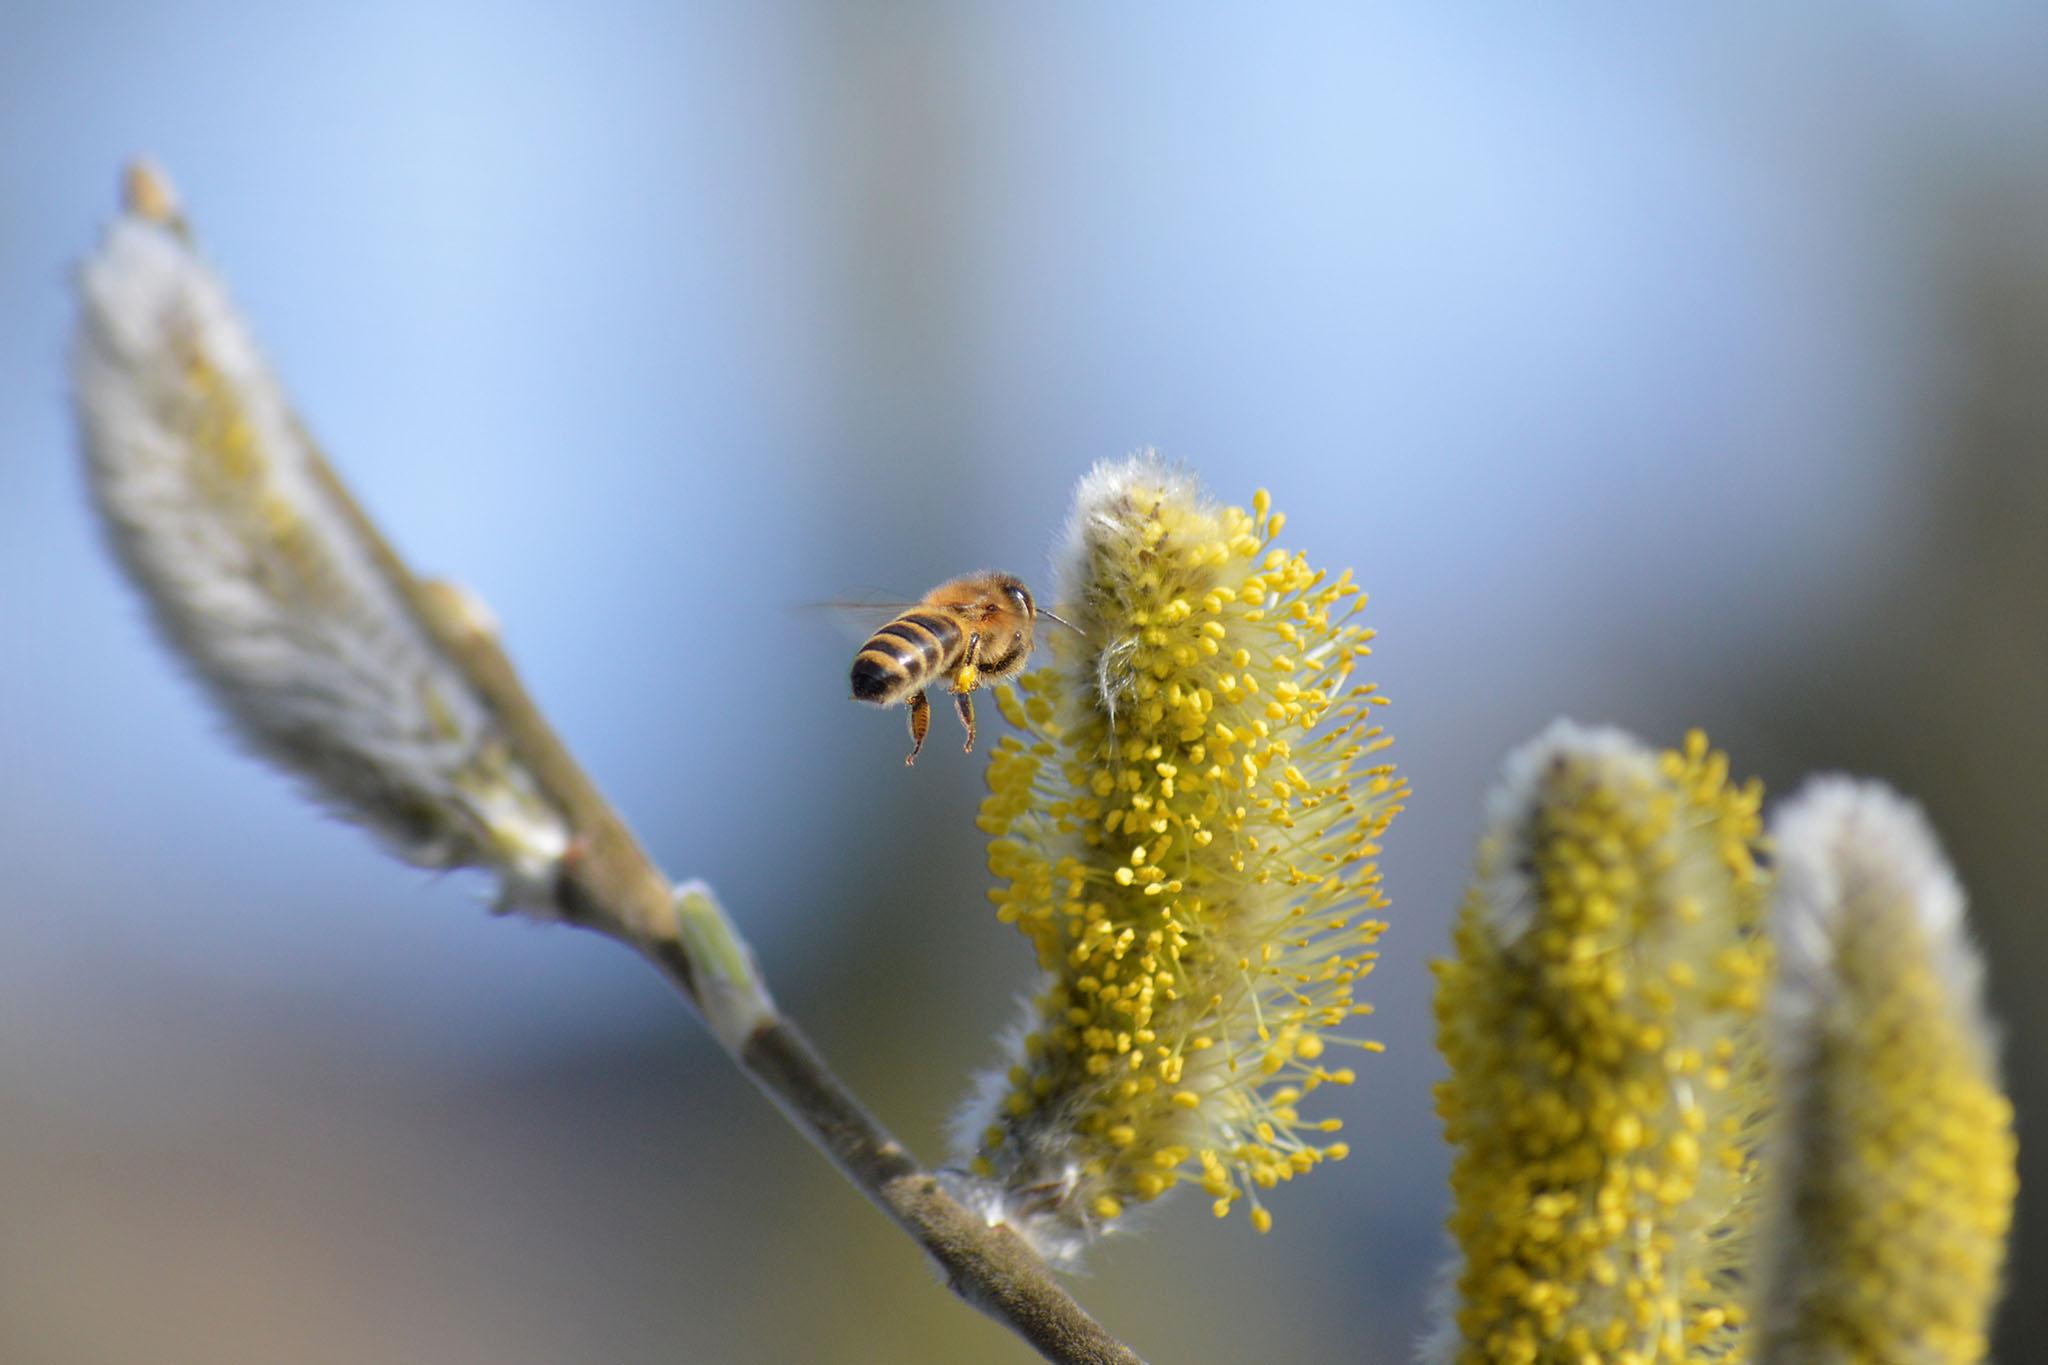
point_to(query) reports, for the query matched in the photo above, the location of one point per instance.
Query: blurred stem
(608, 883)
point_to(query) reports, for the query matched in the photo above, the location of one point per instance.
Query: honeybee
(968, 631)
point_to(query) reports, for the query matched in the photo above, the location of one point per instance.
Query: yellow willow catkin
(1600, 1020)
(1186, 833)
(1894, 1153)
(299, 622)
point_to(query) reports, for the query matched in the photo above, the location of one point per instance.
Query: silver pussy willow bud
(264, 577)
(1894, 1150)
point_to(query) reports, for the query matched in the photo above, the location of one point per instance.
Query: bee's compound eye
(1021, 598)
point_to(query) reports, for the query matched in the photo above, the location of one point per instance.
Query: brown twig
(610, 885)
(604, 880)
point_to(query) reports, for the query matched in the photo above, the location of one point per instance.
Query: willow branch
(609, 884)
(392, 700)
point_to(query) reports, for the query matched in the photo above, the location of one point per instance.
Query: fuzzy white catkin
(299, 623)
(1894, 1152)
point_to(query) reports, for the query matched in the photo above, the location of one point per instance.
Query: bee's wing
(860, 616)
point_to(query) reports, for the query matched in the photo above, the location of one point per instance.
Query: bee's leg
(968, 676)
(920, 721)
(963, 702)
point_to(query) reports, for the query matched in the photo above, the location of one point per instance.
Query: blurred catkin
(264, 578)
(1186, 833)
(1894, 1153)
(1600, 1017)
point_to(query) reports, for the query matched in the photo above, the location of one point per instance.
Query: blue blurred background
(1667, 366)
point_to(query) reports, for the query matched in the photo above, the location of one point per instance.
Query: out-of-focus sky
(1663, 366)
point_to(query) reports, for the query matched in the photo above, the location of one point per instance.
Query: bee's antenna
(1052, 616)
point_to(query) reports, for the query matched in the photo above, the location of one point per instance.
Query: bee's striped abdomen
(905, 655)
